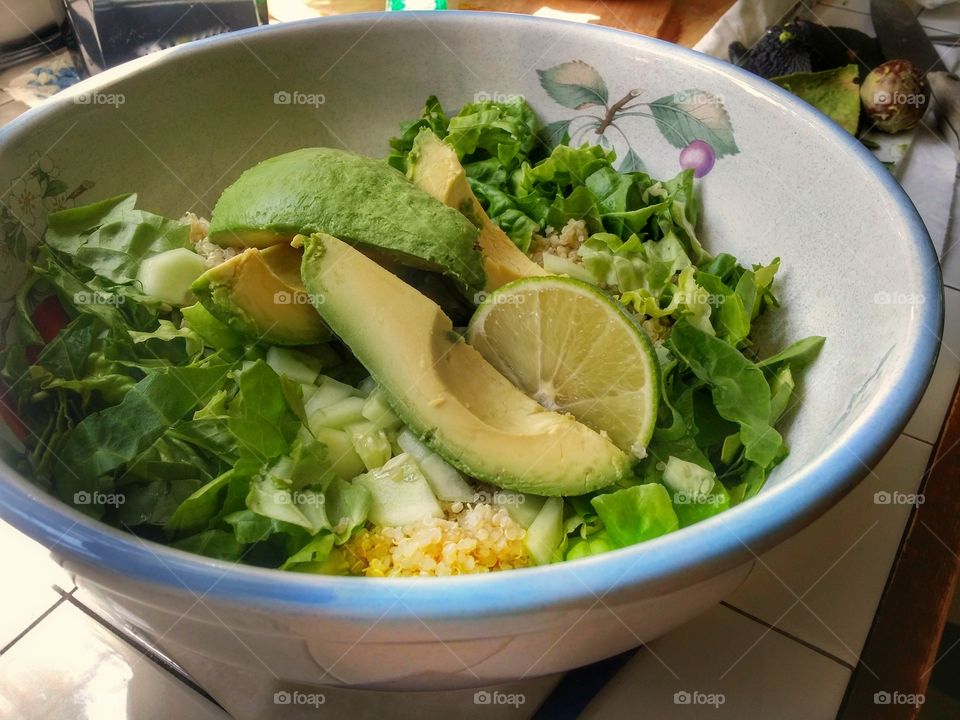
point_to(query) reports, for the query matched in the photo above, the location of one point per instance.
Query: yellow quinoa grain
(471, 538)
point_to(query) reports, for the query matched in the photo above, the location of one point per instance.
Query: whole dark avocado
(803, 46)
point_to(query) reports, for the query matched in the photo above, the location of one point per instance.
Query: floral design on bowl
(695, 121)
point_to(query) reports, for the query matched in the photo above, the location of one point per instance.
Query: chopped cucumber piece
(213, 332)
(338, 415)
(446, 483)
(371, 444)
(295, 365)
(329, 392)
(377, 411)
(343, 458)
(392, 434)
(367, 385)
(399, 494)
(522, 507)
(307, 392)
(545, 534)
(168, 275)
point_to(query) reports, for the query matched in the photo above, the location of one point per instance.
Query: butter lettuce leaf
(635, 514)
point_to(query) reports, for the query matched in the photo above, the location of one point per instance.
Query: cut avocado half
(433, 166)
(444, 390)
(362, 201)
(259, 294)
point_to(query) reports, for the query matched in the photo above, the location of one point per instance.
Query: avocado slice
(433, 166)
(259, 293)
(444, 390)
(363, 201)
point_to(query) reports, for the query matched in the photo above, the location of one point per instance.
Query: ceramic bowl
(177, 127)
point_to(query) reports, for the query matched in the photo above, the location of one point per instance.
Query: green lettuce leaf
(260, 417)
(104, 441)
(635, 514)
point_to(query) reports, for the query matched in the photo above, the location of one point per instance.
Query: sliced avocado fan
(362, 201)
(444, 390)
(434, 167)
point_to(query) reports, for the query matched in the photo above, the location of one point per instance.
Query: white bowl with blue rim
(179, 126)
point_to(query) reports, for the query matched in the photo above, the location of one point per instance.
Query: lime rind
(504, 315)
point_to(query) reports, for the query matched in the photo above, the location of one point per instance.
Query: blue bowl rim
(659, 566)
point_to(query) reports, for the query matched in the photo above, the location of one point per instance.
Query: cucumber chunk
(377, 411)
(371, 444)
(343, 458)
(399, 494)
(295, 365)
(168, 276)
(446, 483)
(329, 392)
(545, 534)
(338, 415)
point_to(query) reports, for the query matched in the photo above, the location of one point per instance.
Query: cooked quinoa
(657, 328)
(472, 538)
(563, 244)
(212, 253)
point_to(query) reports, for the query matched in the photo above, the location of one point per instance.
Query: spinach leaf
(740, 390)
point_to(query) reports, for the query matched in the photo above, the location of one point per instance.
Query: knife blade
(901, 37)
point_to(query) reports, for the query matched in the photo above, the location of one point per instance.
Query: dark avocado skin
(803, 46)
(360, 200)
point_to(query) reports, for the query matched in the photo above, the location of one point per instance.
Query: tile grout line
(141, 647)
(790, 636)
(36, 621)
(918, 439)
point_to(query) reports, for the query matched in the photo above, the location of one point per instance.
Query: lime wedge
(573, 349)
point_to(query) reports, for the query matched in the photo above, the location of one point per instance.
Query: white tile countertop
(783, 646)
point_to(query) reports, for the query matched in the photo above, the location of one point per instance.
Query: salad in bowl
(495, 349)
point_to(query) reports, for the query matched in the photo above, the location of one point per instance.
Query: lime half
(573, 349)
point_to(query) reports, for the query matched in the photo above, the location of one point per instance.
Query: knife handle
(945, 88)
